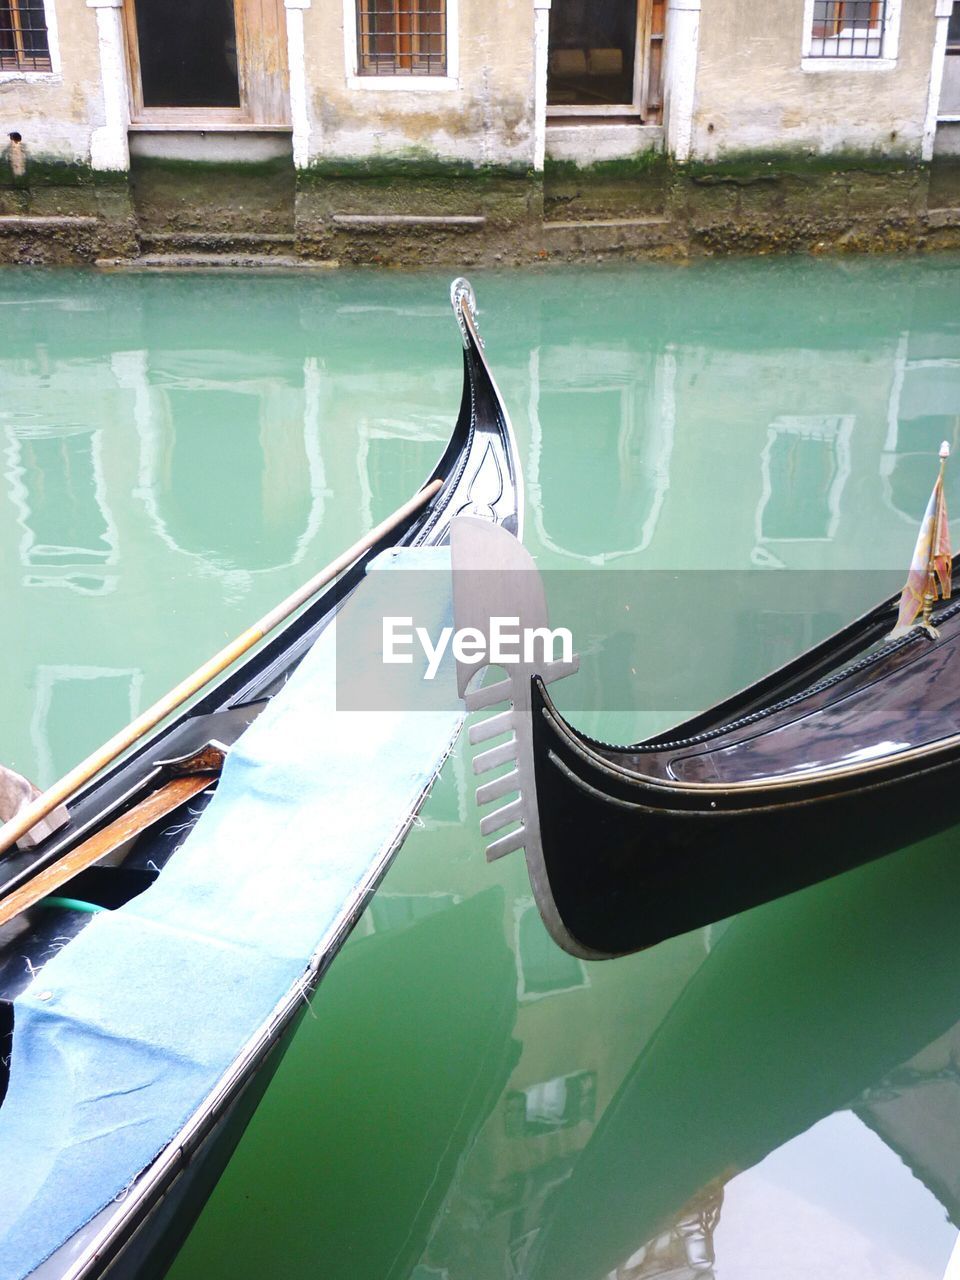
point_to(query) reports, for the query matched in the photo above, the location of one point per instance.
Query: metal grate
(23, 36)
(848, 28)
(402, 37)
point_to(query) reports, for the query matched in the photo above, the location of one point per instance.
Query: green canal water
(775, 1096)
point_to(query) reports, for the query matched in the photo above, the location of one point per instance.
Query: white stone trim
(401, 84)
(299, 98)
(887, 60)
(943, 11)
(541, 59)
(681, 48)
(54, 75)
(560, 110)
(848, 64)
(109, 148)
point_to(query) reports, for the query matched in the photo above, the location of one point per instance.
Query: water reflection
(770, 1096)
(620, 421)
(824, 1000)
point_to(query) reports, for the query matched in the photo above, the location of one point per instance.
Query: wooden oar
(157, 805)
(22, 821)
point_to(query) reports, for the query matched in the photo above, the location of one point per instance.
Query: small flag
(932, 563)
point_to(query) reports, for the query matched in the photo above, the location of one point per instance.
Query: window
(948, 108)
(24, 44)
(848, 28)
(402, 37)
(953, 29)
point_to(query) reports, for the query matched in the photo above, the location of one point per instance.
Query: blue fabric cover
(149, 1005)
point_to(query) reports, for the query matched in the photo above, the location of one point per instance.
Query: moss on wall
(648, 206)
(44, 172)
(416, 167)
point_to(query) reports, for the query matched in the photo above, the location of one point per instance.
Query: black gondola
(138, 1234)
(846, 753)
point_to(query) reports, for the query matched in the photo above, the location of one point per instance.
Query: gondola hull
(631, 863)
(847, 753)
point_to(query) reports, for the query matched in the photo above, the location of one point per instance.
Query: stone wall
(485, 117)
(172, 215)
(56, 113)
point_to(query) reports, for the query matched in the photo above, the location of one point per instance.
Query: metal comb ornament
(494, 576)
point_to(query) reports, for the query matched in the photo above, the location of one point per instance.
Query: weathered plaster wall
(752, 94)
(57, 113)
(486, 119)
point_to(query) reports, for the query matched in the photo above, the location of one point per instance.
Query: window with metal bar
(402, 37)
(24, 45)
(848, 28)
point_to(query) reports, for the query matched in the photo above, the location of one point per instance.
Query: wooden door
(262, 61)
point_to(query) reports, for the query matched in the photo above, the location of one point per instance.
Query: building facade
(354, 88)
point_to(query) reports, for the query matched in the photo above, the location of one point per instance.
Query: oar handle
(55, 795)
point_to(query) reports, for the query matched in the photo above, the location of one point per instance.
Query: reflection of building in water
(916, 1111)
(620, 422)
(661, 421)
(262, 417)
(924, 410)
(533, 1159)
(56, 485)
(96, 697)
(684, 1250)
(804, 467)
(576, 1046)
(187, 485)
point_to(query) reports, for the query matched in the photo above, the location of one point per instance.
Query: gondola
(138, 1231)
(844, 754)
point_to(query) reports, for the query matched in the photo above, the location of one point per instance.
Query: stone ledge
(46, 222)
(203, 238)
(407, 220)
(214, 262)
(588, 224)
(943, 217)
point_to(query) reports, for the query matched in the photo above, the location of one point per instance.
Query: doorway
(219, 62)
(604, 58)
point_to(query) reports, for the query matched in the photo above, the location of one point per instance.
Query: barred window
(24, 45)
(848, 28)
(402, 37)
